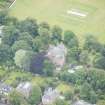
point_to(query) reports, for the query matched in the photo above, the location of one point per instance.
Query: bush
(35, 96)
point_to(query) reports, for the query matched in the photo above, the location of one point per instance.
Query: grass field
(55, 12)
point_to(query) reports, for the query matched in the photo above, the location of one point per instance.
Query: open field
(80, 16)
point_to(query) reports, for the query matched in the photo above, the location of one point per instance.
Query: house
(5, 89)
(24, 88)
(57, 54)
(4, 92)
(82, 102)
(50, 96)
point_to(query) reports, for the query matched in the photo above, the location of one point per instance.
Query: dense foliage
(24, 46)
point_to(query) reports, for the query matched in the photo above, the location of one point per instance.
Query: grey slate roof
(5, 89)
(50, 95)
(24, 88)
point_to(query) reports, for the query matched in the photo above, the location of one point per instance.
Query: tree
(13, 21)
(10, 34)
(41, 43)
(26, 37)
(43, 31)
(19, 56)
(15, 98)
(5, 53)
(48, 68)
(69, 94)
(91, 83)
(87, 93)
(93, 97)
(92, 44)
(96, 78)
(99, 62)
(37, 44)
(23, 59)
(103, 50)
(29, 25)
(21, 44)
(3, 17)
(45, 25)
(68, 77)
(73, 55)
(60, 102)
(56, 34)
(37, 63)
(85, 59)
(35, 96)
(70, 39)
(27, 60)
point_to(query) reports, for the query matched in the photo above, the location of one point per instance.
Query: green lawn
(62, 87)
(55, 12)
